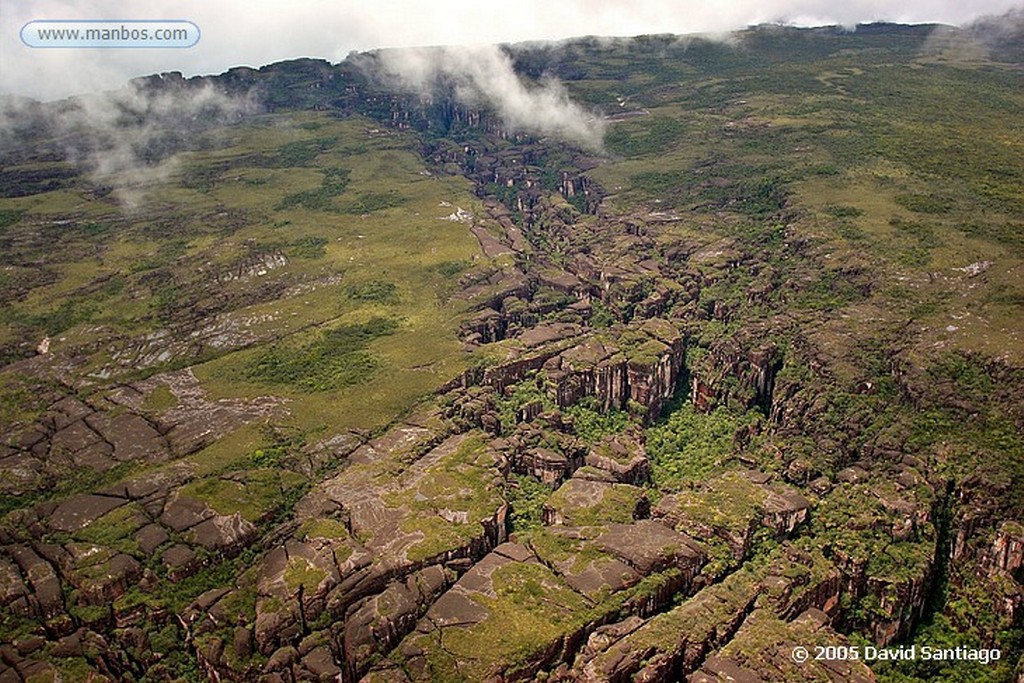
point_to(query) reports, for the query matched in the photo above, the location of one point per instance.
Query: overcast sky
(258, 32)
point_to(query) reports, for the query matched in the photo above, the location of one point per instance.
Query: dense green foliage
(9, 217)
(308, 247)
(336, 359)
(526, 497)
(688, 446)
(591, 425)
(334, 182)
(368, 202)
(378, 291)
(655, 135)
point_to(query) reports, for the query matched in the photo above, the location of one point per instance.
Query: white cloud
(483, 74)
(125, 138)
(243, 32)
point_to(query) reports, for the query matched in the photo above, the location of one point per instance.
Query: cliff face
(646, 374)
(730, 374)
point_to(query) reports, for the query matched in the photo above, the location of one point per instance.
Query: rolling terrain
(312, 374)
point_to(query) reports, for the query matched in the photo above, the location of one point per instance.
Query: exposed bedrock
(732, 374)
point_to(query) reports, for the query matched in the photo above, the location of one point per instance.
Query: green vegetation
(940, 633)
(689, 446)
(22, 399)
(841, 211)
(301, 574)
(757, 198)
(178, 595)
(728, 504)
(920, 203)
(616, 506)
(830, 291)
(79, 480)
(453, 268)
(115, 529)
(967, 373)
(56, 320)
(592, 426)
(525, 392)
(526, 497)
(463, 483)
(646, 136)
(312, 247)
(517, 622)
(160, 399)
(336, 359)
(368, 202)
(9, 217)
(334, 182)
(375, 291)
(256, 495)
(322, 528)
(300, 152)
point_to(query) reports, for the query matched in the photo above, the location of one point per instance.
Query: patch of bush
(660, 184)
(689, 446)
(300, 152)
(452, 268)
(368, 202)
(377, 291)
(924, 203)
(526, 497)
(334, 182)
(650, 136)
(337, 359)
(308, 247)
(830, 291)
(591, 424)
(9, 217)
(842, 211)
(71, 312)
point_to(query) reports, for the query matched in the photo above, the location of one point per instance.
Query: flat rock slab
(515, 551)
(80, 511)
(649, 546)
(456, 608)
(582, 502)
(76, 437)
(623, 457)
(150, 537)
(400, 440)
(178, 556)
(320, 662)
(68, 410)
(478, 579)
(492, 247)
(184, 513)
(599, 577)
(762, 651)
(133, 438)
(20, 473)
(224, 532)
(42, 579)
(547, 333)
